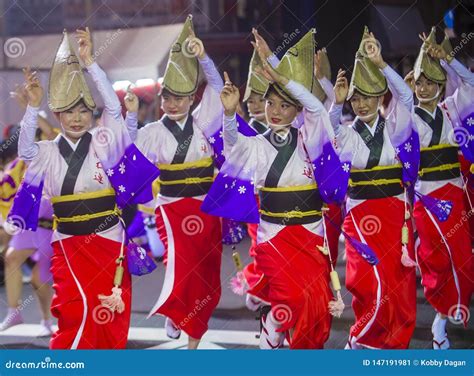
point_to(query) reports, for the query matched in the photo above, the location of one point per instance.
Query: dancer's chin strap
(254, 115)
(426, 100)
(277, 126)
(76, 134)
(369, 116)
(174, 117)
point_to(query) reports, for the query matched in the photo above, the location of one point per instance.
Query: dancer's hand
(261, 44)
(374, 51)
(341, 87)
(268, 72)
(85, 46)
(435, 50)
(230, 96)
(410, 80)
(33, 88)
(131, 100)
(318, 73)
(195, 46)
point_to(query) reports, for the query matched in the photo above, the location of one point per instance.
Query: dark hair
(165, 91)
(9, 148)
(271, 90)
(142, 103)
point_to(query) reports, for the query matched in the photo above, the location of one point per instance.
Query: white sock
(48, 323)
(13, 311)
(439, 327)
(272, 326)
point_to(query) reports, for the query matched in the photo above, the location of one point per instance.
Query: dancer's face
(256, 106)
(426, 90)
(279, 112)
(76, 121)
(365, 107)
(176, 107)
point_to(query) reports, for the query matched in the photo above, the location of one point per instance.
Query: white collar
(71, 144)
(182, 122)
(433, 114)
(372, 128)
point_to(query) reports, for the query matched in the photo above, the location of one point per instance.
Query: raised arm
(273, 60)
(21, 97)
(319, 74)
(335, 113)
(261, 44)
(107, 92)
(131, 119)
(230, 97)
(461, 100)
(436, 51)
(305, 97)
(210, 71)
(453, 81)
(327, 88)
(462, 72)
(341, 89)
(398, 87)
(27, 148)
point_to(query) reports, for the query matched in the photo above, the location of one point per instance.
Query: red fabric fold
(193, 242)
(298, 285)
(91, 260)
(384, 296)
(440, 283)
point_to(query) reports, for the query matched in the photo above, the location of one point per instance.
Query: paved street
(232, 326)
